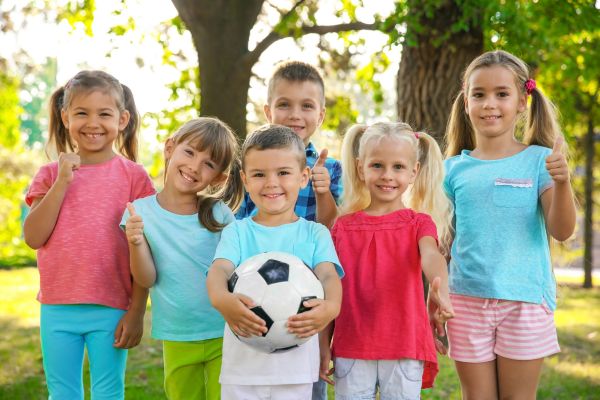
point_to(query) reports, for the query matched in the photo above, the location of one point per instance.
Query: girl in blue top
(509, 190)
(172, 238)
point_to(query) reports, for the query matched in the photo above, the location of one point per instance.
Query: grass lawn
(572, 374)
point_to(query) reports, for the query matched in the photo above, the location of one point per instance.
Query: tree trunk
(588, 227)
(220, 30)
(429, 75)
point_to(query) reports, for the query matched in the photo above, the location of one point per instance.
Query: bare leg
(478, 380)
(518, 380)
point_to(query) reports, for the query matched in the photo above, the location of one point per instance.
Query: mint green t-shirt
(183, 251)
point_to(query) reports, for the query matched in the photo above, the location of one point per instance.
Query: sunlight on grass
(572, 374)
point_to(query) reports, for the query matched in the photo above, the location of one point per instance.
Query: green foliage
(366, 78)
(79, 13)
(9, 111)
(340, 114)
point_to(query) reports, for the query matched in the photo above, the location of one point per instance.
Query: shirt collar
(311, 151)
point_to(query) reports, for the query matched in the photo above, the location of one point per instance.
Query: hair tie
(416, 135)
(529, 86)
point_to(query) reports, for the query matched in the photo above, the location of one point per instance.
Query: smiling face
(94, 122)
(189, 171)
(297, 105)
(387, 168)
(493, 102)
(273, 178)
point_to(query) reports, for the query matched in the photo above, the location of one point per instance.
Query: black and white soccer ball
(278, 283)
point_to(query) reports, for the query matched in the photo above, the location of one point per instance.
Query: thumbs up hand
(320, 175)
(134, 227)
(556, 162)
(67, 163)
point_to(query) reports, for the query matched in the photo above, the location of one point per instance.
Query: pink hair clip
(529, 86)
(416, 135)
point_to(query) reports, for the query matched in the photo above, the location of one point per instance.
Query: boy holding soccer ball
(273, 171)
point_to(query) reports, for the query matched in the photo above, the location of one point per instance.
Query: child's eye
(281, 173)
(210, 165)
(477, 95)
(106, 115)
(308, 106)
(258, 175)
(376, 165)
(189, 152)
(502, 94)
(282, 104)
(399, 166)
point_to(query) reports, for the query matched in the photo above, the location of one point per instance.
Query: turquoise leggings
(65, 331)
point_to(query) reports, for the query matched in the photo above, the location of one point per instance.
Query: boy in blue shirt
(296, 99)
(273, 171)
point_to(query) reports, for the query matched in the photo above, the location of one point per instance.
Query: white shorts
(302, 391)
(396, 379)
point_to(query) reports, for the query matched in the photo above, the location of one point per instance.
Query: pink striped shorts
(483, 328)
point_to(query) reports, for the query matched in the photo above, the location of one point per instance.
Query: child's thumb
(558, 144)
(131, 209)
(322, 158)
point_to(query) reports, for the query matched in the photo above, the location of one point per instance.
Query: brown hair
(85, 82)
(214, 136)
(541, 125)
(295, 71)
(272, 136)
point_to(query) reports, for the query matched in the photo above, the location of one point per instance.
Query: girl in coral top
(88, 298)
(383, 340)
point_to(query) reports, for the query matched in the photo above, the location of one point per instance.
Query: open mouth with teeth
(272, 195)
(187, 177)
(490, 117)
(387, 188)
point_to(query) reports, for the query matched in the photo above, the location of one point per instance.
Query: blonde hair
(541, 124)
(425, 195)
(214, 136)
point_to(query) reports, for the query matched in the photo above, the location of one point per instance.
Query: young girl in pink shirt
(88, 300)
(382, 338)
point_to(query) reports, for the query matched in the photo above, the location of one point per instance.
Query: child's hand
(313, 321)
(320, 175)
(243, 322)
(439, 305)
(129, 330)
(67, 163)
(556, 162)
(134, 227)
(324, 371)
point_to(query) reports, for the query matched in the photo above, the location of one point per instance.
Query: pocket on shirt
(305, 251)
(510, 192)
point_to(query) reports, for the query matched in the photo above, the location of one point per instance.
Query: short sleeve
(229, 245)
(223, 213)
(426, 227)
(545, 181)
(41, 184)
(335, 175)
(325, 250)
(142, 185)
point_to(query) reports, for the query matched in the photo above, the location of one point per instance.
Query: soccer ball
(278, 283)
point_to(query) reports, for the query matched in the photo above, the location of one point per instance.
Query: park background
(381, 60)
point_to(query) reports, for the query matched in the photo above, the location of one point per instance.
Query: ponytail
(542, 126)
(459, 133)
(127, 142)
(427, 194)
(356, 196)
(59, 139)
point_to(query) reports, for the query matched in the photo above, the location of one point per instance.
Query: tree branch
(252, 57)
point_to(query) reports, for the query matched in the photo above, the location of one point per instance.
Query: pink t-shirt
(86, 258)
(383, 314)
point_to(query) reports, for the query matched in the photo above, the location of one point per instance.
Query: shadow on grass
(22, 374)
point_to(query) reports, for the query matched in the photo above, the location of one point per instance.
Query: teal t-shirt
(183, 251)
(500, 248)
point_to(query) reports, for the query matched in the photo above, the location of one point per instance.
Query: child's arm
(325, 353)
(131, 326)
(321, 181)
(435, 269)
(557, 202)
(40, 221)
(324, 311)
(235, 308)
(141, 262)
